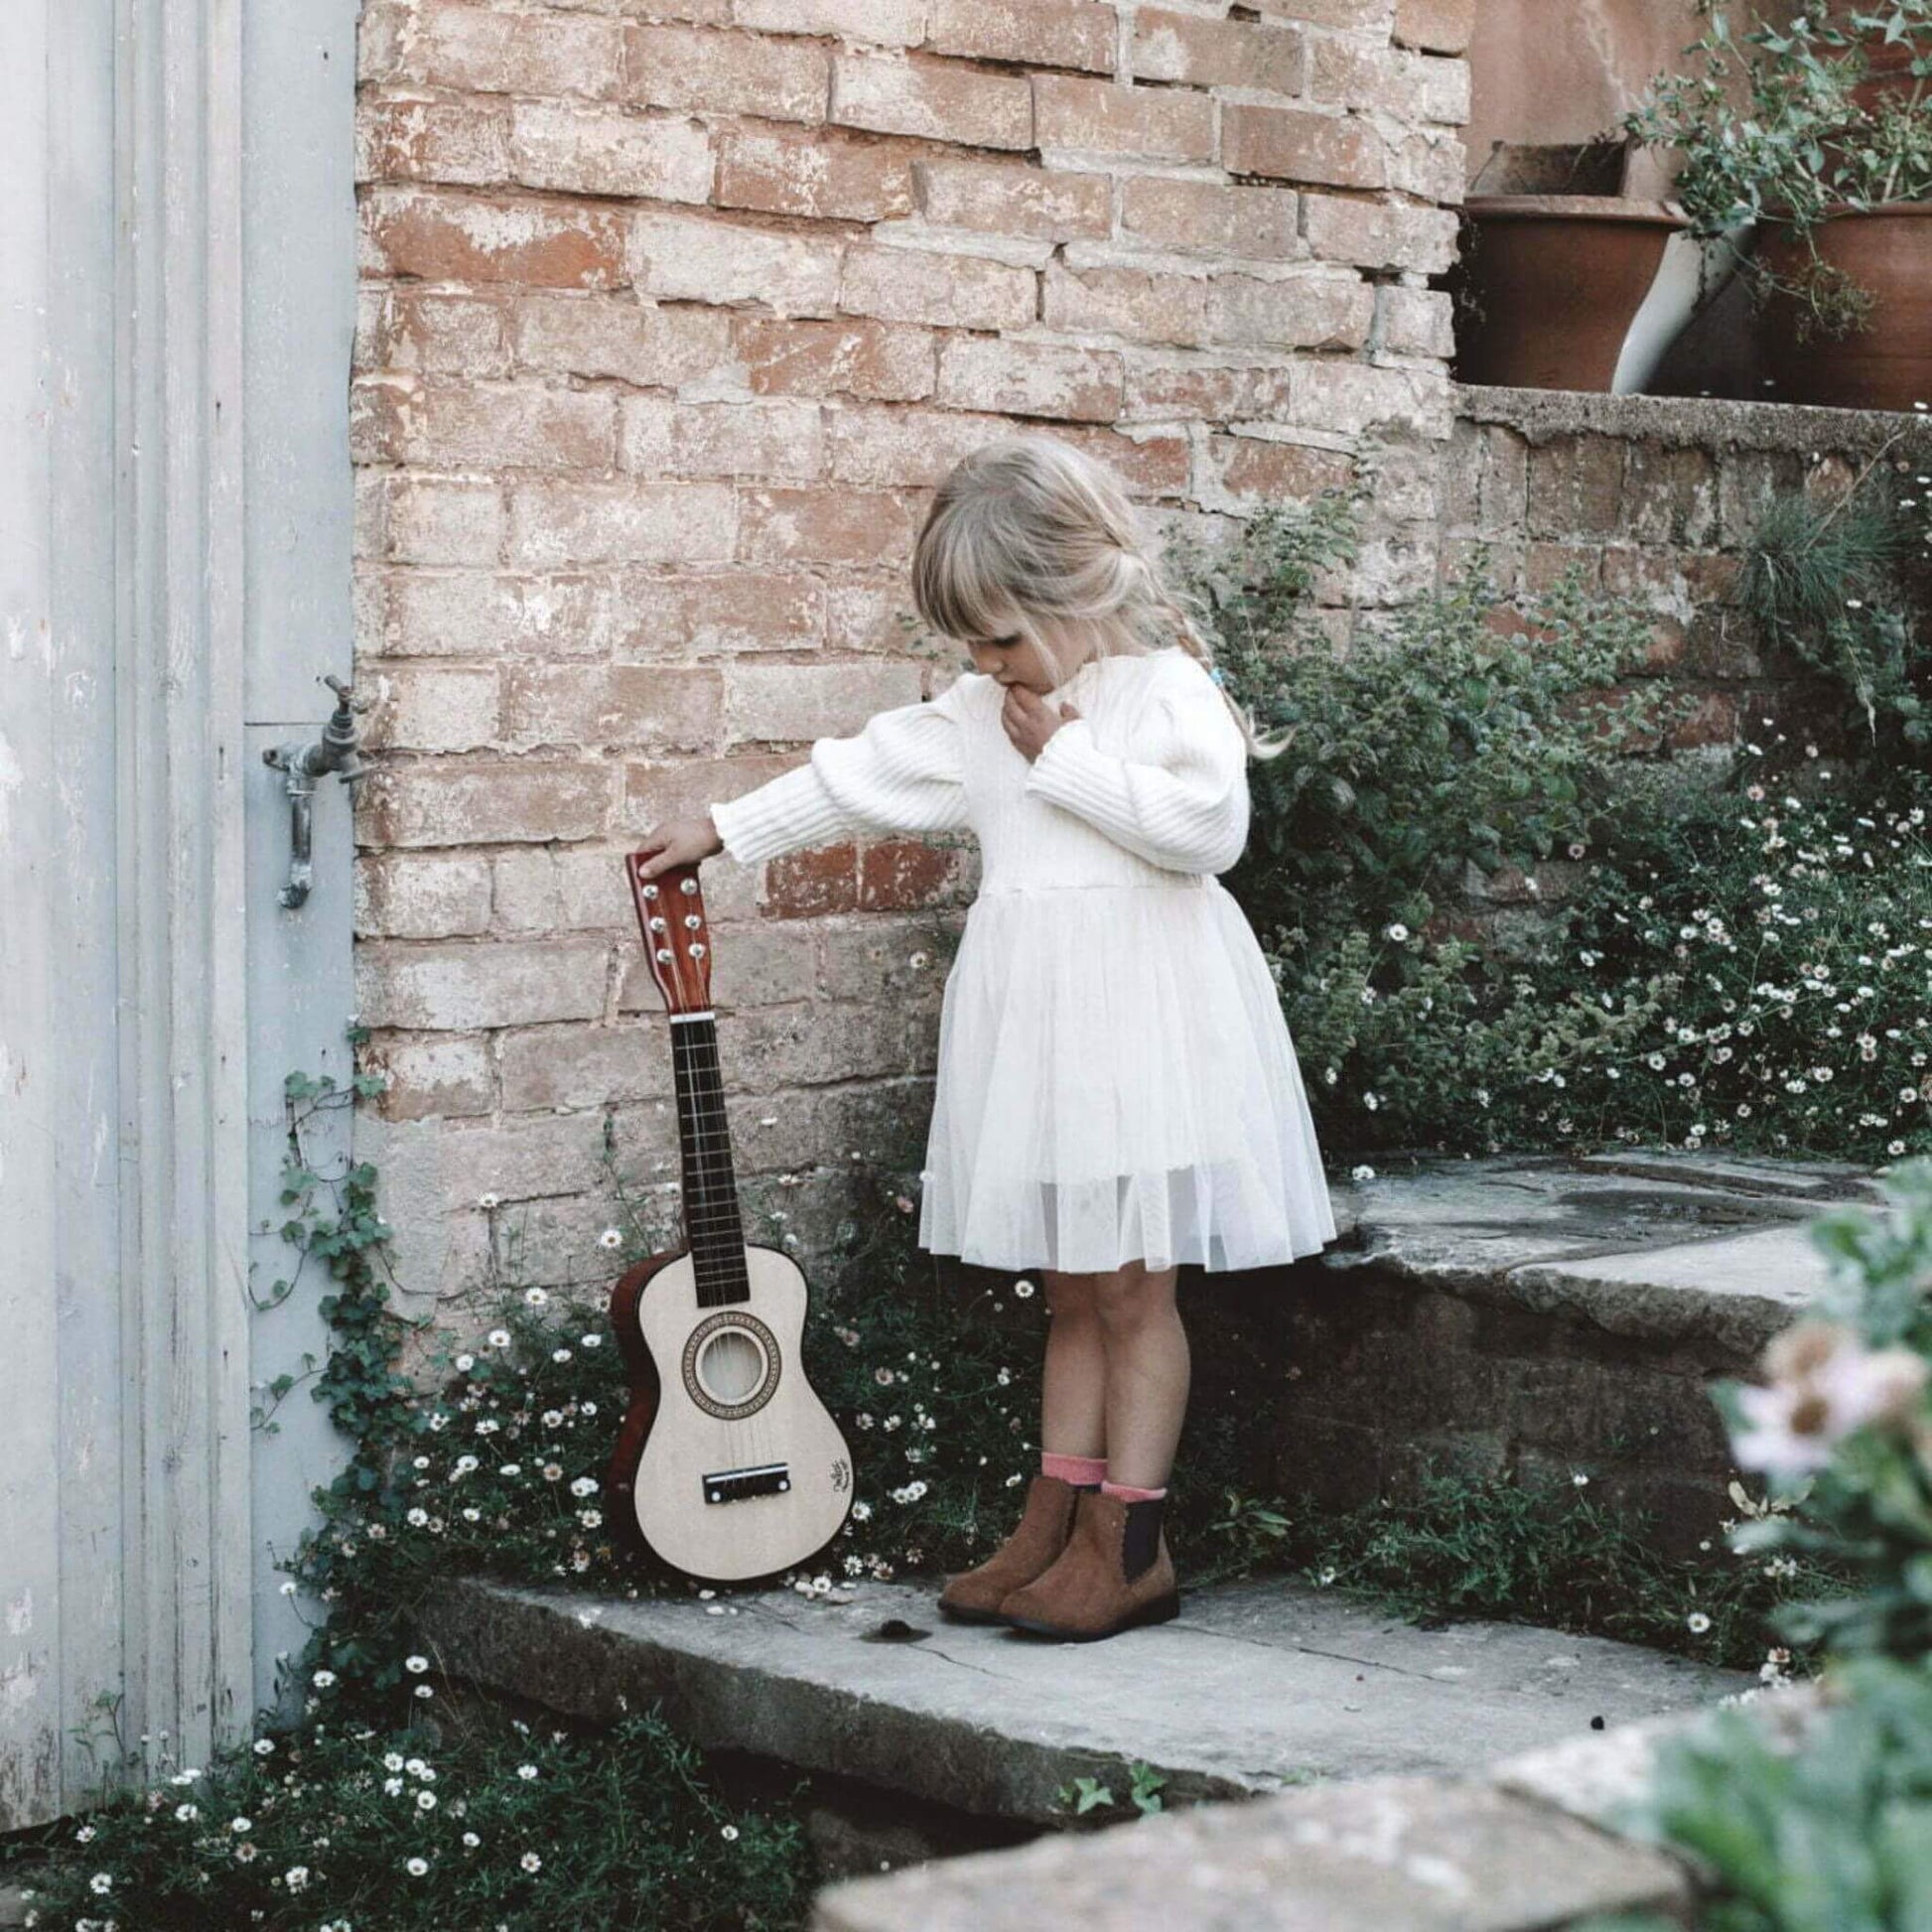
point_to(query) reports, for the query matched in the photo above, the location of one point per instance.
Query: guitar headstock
(677, 942)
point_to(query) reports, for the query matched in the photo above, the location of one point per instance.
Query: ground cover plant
(1502, 916)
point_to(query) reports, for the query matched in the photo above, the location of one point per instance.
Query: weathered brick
(1297, 143)
(1162, 387)
(455, 989)
(1128, 301)
(1206, 218)
(1295, 312)
(868, 611)
(722, 439)
(884, 362)
(906, 876)
(829, 177)
(735, 609)
(1386, 80)
(511, 425)
(421, 894)
(829, 526)
(946, 291)
(1104, 117)
(430, 1074)
(1148, 463)
(604, 151)
(461, 141)
(425, 329)
(436, 708)
(1218, 53)
(655, 792)
(699, 258)
(1415, 322)
(1013, 198)
(577, 520)
(725, 73)
(595, 706)
(1432, 166)
(1355, 16)
(1348, 398)
(1379, 234)
(1023, 378)
(448, 238)
(1263, 470)
(1438, 26)
(481, 50)
(479, 801)
(443, 521)
(931, 98)
(568, 1066)
(793, 703)
(804, 886)
(884, 23)
(636, 342)
(884, 448)
(1034, 32)
(479, 614)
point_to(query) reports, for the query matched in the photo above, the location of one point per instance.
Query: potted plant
(1820, 133)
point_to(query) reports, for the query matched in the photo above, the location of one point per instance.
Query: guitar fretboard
(713, 1225)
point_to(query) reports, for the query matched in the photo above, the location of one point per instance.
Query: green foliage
(1822, 580)
(1142, 1799)
(1455, 1546)
(1819, 1818)
(1497, 920)
(1771, 131)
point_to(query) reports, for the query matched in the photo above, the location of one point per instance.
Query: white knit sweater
(1156, 763)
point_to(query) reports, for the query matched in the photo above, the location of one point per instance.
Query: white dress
(1115, 1078)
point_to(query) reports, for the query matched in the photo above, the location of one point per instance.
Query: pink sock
(1072, 1468)
(1128, 1493)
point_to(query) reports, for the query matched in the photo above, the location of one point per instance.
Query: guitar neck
(713, 1225)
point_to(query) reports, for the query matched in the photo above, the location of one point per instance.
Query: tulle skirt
(1116, 1083)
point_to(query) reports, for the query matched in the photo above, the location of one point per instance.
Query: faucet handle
(346, 694)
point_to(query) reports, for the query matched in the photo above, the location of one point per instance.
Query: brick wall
(673, 315)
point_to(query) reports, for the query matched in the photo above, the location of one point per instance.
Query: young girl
(1116, 1091)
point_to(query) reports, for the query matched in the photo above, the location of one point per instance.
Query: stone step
(1257, 1685)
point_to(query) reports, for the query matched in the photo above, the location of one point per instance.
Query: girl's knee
(1132, 1295)
(1071, 1295)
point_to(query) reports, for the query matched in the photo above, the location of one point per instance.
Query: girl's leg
(1073, 1381)
(1148, 1367)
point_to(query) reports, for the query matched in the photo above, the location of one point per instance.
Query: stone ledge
(1666, 1248)
(1255, 1687)
(1696, 422)
(1385, 1856)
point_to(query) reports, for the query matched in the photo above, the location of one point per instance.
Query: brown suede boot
(975, 1596)
(1088, 1594)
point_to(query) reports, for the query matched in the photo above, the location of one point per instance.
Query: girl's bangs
(953, 590)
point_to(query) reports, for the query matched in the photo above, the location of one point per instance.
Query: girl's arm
(1184, 807)
(903, 772)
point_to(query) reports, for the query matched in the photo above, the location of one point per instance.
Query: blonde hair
(1030, 533)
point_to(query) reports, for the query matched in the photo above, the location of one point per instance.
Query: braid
(1188, 636)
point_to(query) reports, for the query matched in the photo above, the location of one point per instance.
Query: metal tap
(336, 751)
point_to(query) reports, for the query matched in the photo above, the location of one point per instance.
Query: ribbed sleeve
(1185, 808)
(903, 772)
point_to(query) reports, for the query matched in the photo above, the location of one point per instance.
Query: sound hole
(731, 1365)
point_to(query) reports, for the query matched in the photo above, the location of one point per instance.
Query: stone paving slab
(1256, 1686)
(1415, 1854)
(1663, 1246)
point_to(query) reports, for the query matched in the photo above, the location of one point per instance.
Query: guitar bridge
(734, 1485)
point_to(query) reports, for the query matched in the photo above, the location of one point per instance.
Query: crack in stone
(1306, 1650)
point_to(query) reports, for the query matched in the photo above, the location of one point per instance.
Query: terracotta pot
(1549, 285)
(1885, 365)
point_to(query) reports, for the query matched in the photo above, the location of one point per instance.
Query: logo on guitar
(841, 1473)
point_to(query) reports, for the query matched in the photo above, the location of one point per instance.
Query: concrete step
(1257, 1685)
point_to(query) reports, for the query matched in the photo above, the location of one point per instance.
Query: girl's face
(1011, 657)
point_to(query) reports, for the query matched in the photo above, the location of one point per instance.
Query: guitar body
(728, 1467)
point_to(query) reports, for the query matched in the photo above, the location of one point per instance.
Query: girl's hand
(679, 842)
(1030, 720)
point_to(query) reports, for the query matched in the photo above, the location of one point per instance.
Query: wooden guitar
(727, 1466)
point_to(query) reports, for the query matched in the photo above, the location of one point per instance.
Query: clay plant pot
(1888, 364)
(1550, 284)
